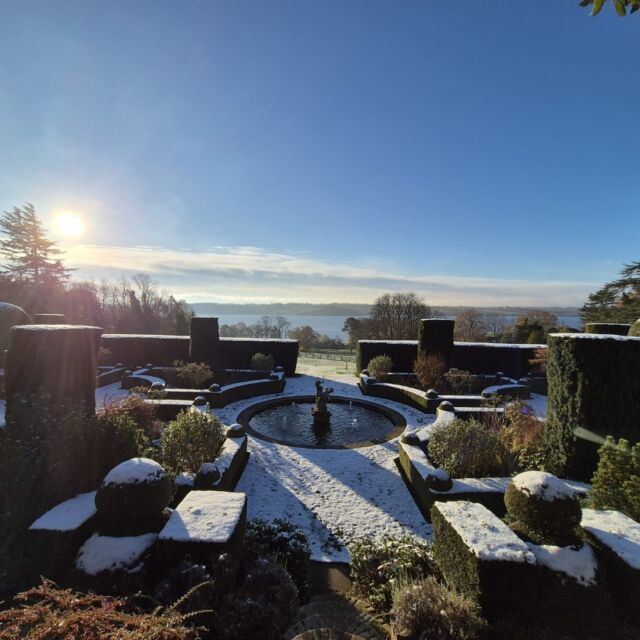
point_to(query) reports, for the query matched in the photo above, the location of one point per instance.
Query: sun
(70, 225)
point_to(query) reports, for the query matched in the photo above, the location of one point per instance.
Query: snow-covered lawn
(335, 495)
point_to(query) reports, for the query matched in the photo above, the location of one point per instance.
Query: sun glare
(69, 225)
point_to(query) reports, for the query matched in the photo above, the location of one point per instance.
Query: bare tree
(396, 316)
(471, 326)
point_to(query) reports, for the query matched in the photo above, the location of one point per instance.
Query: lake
(332, 325)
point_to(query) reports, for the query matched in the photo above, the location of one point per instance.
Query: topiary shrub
(377, 565)
(286, 544)
(611, 328)
(543, 508)
(262, 362)
(262, 608)
(194, 375)
(430, 371)
(616, 482)
(380, 366)
(467, 449)
(435, 337)
(593, 392)
(193, 438)
(134, 493)
(430, 608)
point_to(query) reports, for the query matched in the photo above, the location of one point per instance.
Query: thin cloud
(252, 274)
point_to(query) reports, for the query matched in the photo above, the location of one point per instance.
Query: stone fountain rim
(398, 420)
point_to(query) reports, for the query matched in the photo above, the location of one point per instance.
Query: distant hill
(346, 309)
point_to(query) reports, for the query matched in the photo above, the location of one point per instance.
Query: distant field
(323, 367)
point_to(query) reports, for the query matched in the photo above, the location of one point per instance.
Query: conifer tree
(31, 256)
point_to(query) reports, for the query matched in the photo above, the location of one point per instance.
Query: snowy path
(334, 495)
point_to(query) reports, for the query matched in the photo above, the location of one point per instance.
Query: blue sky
(474, 152)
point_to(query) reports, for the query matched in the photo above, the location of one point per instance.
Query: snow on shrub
(194, 375)
(377, 565)
(262, 362)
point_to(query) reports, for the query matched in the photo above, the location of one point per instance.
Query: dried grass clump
(47, 612)
(430, 610)
(430, 371)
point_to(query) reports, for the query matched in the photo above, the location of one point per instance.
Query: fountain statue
(320, 412)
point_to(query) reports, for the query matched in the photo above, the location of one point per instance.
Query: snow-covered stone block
(205, 522)
(113, 554)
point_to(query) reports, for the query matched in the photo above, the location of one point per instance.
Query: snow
(538, 403)
(133, 471)
(543, 485)
(485, 534)
(106, 553)
(616, 531)
(421, 463)
(477, 485)
(68, 515)
(413, 342)
(109, 393)
(579, 563)
(334, 495)
(3, 409)
(594, 336)
(186, 478)
(229, 449)
(501, 345)
(205, 516)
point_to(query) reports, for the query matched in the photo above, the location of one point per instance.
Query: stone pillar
(205, 340)
(57, 361)
(48, 318)
(436, 338)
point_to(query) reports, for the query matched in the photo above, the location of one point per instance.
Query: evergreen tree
(30, 254)
(617, 301)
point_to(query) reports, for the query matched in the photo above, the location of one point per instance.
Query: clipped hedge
(593, 392)
(435, 337)
(478, 357)
(610, 328)
(402, 352)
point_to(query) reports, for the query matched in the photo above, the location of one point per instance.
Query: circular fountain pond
(353, 423)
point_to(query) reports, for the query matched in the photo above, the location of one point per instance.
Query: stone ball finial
(215, 388)
(543, 507)
(157, 386)
(199, 401)
(432, 394)
(235, 430)
(411, 437)
(445, 406)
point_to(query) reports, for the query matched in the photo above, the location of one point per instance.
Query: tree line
(34, 277)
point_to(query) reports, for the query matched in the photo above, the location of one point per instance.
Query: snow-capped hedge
(593, 388)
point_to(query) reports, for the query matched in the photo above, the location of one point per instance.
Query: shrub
(144, 414)
(430, 371)
(192, 438)
(194, 375)
(617, 479)
(262, 362)
(118, 439)
(542, 508)
(539, 361)
(635, 329)
(286, 544)
(467, 449)
(378, 565)
(49, 612)
(380, 366)
(429, 607)
(522, 436)
(262, 608)
(459, 381)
